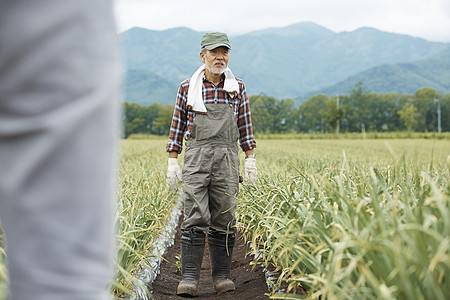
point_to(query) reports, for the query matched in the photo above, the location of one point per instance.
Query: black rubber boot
(220, 251)
(192, 249)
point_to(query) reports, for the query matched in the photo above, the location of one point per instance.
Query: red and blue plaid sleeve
(179, 120)
(244, 121)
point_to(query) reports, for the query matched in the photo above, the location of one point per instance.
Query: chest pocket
(218, 124)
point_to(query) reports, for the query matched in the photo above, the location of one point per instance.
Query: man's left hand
(250, 171)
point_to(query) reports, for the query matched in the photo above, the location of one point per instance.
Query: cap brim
(217, 45)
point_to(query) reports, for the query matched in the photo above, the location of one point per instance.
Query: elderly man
(212, 112)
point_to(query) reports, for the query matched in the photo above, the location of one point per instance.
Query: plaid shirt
(182, 119)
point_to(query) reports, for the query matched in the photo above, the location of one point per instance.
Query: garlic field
(342, 219)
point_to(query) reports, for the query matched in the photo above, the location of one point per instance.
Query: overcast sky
(428, 19)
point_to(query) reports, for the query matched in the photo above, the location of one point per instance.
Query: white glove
(250, 172)
(173, 171)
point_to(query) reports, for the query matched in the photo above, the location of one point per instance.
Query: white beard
(219, 72)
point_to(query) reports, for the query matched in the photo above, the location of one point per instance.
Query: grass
(355, 135)
(144, 205)
(348, 219)
(343, 218)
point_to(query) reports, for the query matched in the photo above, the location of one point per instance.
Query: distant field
(343, 218)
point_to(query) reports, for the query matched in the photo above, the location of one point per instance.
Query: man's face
(216, 60)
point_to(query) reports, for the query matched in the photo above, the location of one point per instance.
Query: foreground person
(59, 124)
(212, 113)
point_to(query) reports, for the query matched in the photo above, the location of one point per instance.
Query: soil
(249, 280)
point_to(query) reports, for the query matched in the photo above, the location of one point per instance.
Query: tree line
(358, 111)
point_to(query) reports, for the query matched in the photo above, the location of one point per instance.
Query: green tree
(163, 122)
(134, 119)
(270, 115)
(263, 117)
(283, 115)
(445, 111)
(423, 100)
(152, 119)
(312, 116)
(356, 109)
(408, 114)
(387, 111)
(332, 113)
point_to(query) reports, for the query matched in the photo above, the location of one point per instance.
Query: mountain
(404, 78)
(282, 62)
(145, 87)
(172, 54)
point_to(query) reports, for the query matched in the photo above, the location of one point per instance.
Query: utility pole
(438, 113)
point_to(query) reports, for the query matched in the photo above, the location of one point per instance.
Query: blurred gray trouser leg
(58, 125)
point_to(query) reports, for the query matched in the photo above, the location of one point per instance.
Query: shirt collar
(222, 79)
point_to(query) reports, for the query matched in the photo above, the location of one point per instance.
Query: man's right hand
(173, 171)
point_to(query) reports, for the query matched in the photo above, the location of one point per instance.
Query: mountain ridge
(285, 62)
(399, 78)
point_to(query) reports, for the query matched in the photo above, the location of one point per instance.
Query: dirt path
(250, 283)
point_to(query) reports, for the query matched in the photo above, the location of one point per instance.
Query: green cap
(212, 40)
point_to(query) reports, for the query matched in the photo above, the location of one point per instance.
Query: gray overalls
(210, 186)
(211, 171)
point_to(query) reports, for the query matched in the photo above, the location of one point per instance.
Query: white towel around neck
(195, 96)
